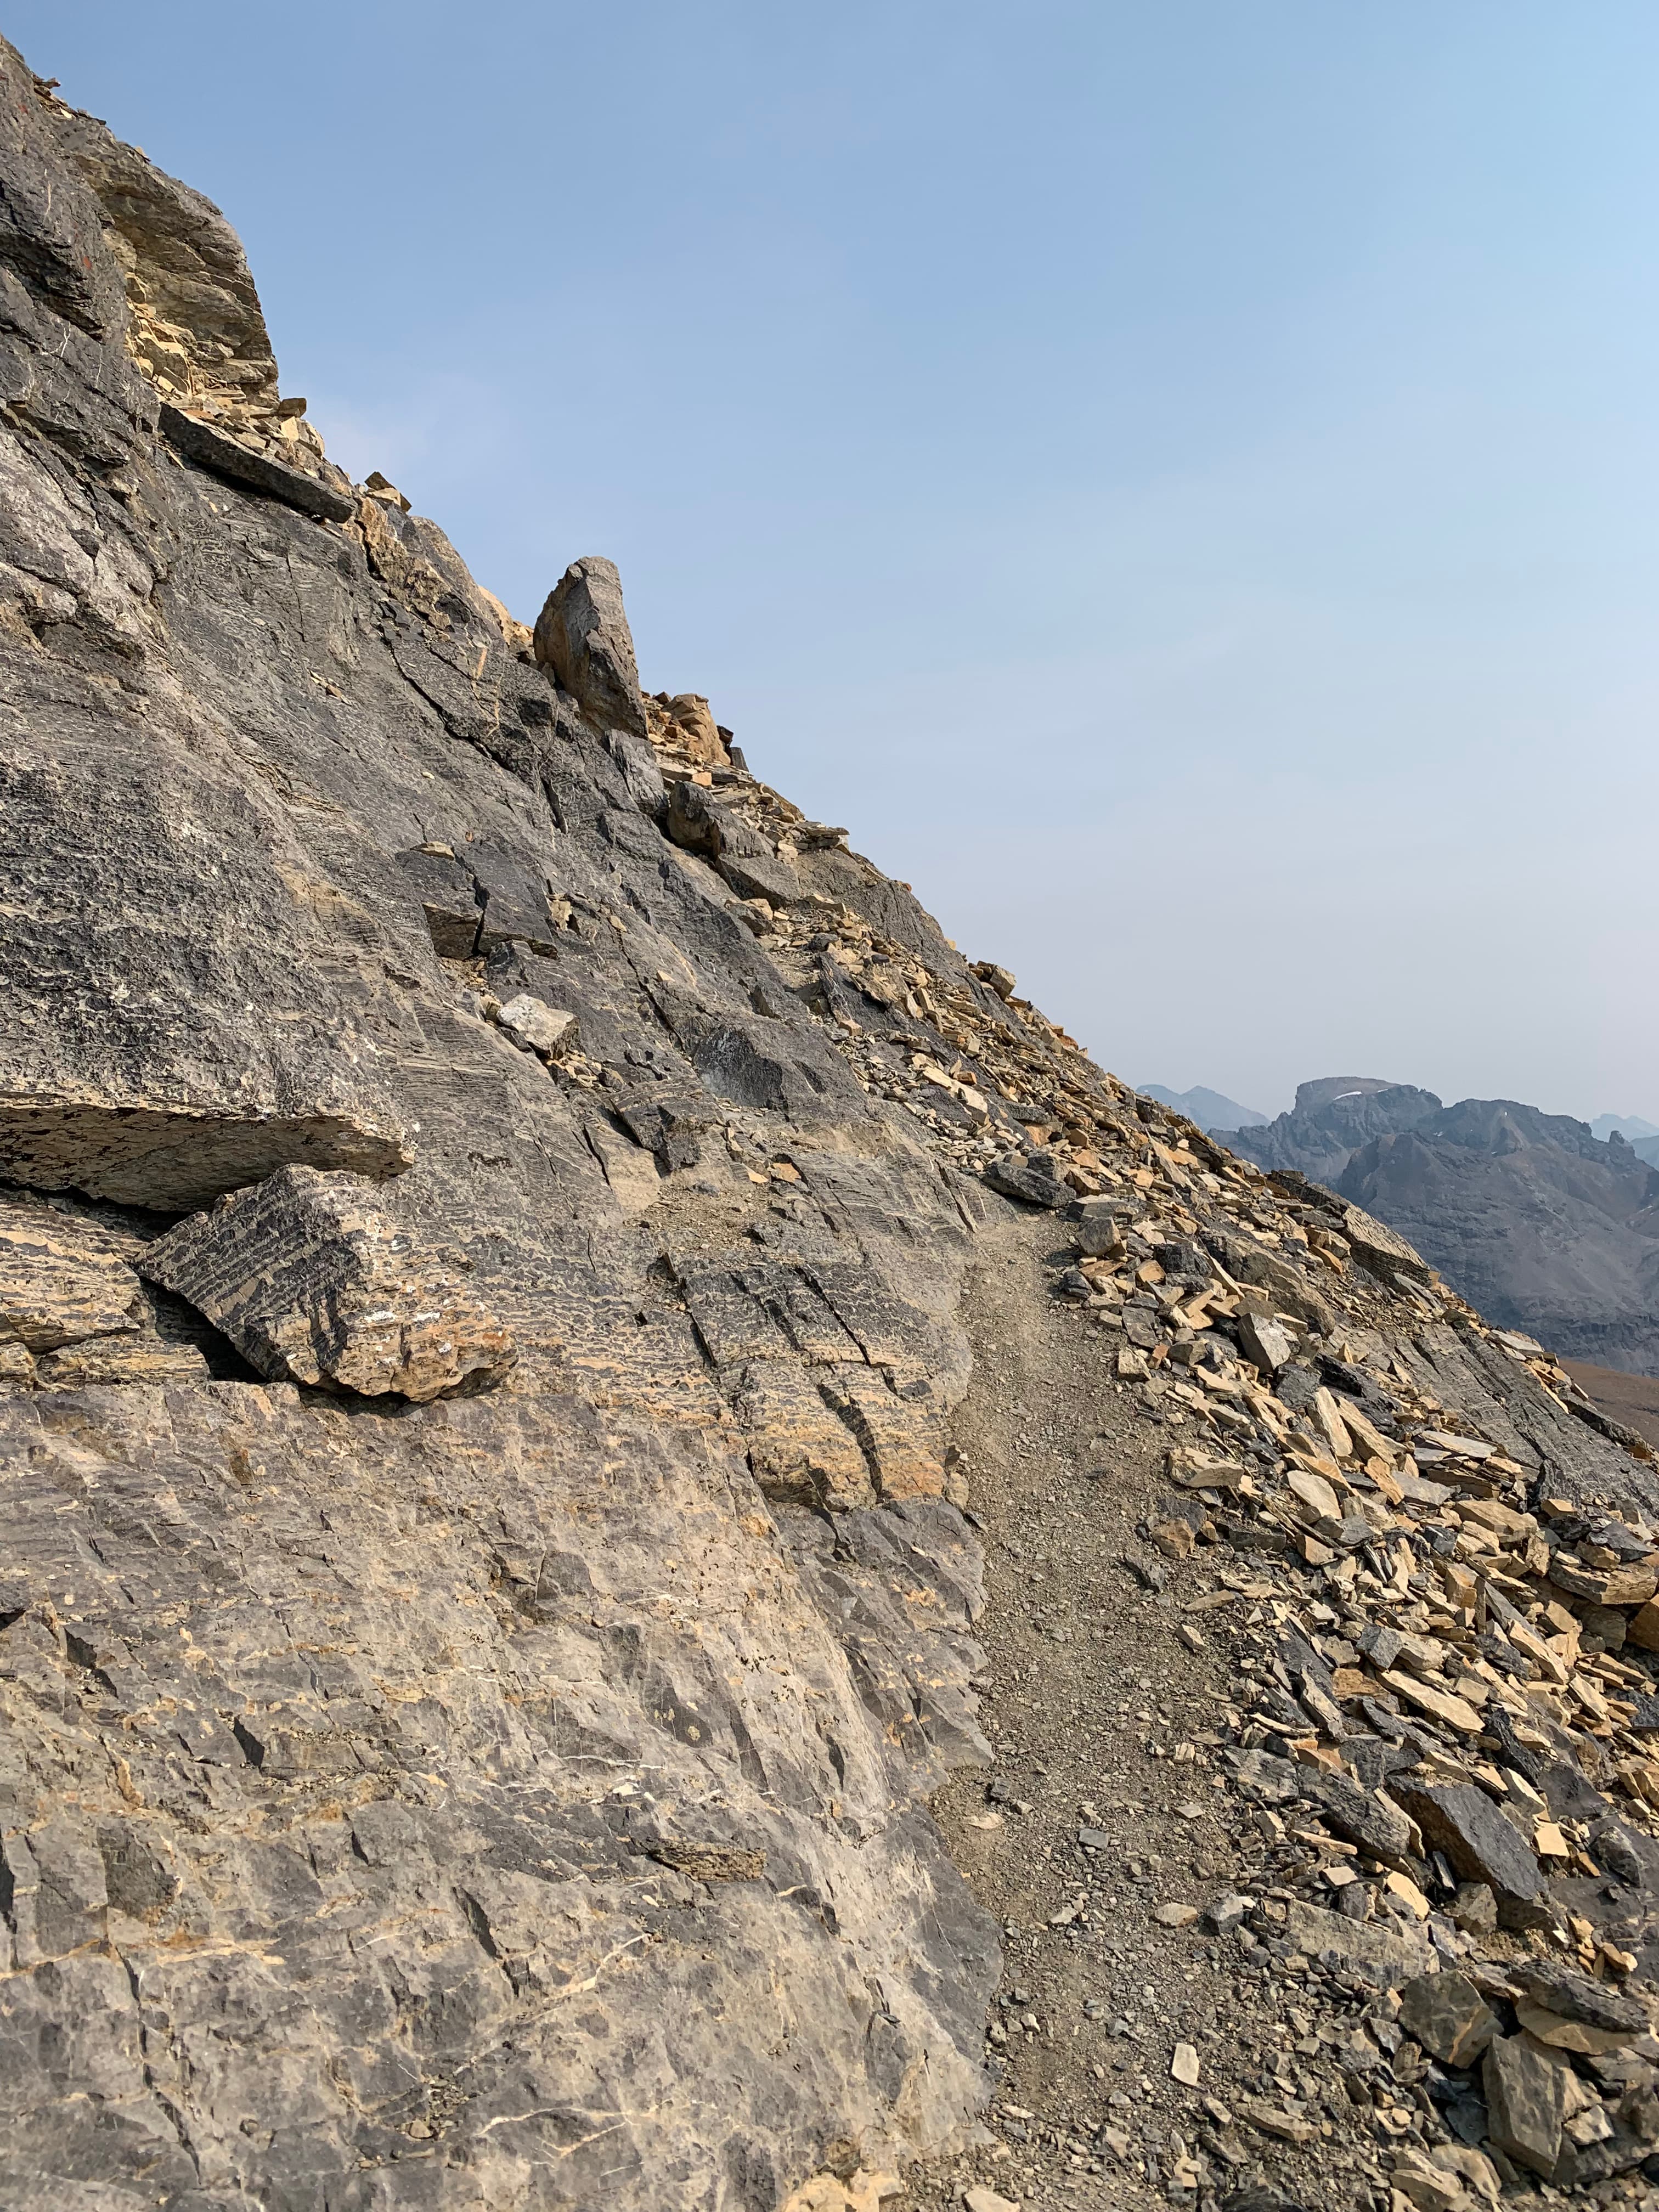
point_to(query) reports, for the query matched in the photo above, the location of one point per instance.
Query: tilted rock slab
(314, 1284)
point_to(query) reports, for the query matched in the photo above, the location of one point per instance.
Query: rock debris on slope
(488, 1584)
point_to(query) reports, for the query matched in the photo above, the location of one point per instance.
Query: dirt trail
(1099, 1692)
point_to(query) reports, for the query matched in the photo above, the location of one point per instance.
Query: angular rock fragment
(172, 1158)
(1561, 1989)
(582, 635)
(1015, 1177)
(1462, 1822)
(228, 457)
(539, 1028)
(697, 822)
(1448, 2016)
(1265, 1341)
(1525, 2100)
(1366, 1947)
(312, 1284)
(1099, 1230)
(1366, 1818)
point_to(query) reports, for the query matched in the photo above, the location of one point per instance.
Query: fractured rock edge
(525, 1789)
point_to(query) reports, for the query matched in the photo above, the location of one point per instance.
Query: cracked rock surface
(530, 1275)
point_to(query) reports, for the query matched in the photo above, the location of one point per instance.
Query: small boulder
(582, 635)
(1475, 1908)
(1461, 1820)
(314, 1284)
(1561, 1989)
(537, 1027)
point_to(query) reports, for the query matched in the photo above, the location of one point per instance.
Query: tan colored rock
(699, 735)
(1331, 1421)
(1443, 1705)
(1448, 2016)
(800, 1450)
(539, 1028)
(1628, 1583)
(314, 1284)
(55, 1290)
(1524, 2101)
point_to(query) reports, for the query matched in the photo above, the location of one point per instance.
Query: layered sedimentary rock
(418, 1791)
(486, 1596)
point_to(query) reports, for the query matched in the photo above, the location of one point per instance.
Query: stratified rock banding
(485, 1595)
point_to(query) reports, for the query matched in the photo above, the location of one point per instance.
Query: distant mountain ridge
(1530, 1216)
(1630, 1127)
(1205, 1107)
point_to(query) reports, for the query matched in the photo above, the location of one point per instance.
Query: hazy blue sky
(1179, 481)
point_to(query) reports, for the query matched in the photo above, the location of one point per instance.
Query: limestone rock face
(314, 1284)
(486, 1192)
(483, 1795)
(582, 635)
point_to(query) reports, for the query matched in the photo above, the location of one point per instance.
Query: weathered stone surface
(582, 635)
(519, 1797)
(1448, 2016)
(54, 1291)
(1462, 1822)
(699, 733)
(225, 456)
(314, 1284)
(1389, 1958)
(1264, 1340)
(1524, 2099)
(541, 1029)
(525, 1862)
(1381, 1247)
(1561, 1989)
(1015, 1177)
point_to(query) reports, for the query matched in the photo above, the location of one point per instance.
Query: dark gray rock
(1525, 2098)
(582, 635)
(1448, 2016)
(1461, 1820)
(1015, 1177)
(341, 1711)
(228, 457)
(1571, 1996)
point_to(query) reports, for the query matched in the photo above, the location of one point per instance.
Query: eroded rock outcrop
(430, 1776)
(313, 1283)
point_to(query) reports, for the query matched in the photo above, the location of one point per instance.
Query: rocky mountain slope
(518, 1254)
(1541, 1224)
